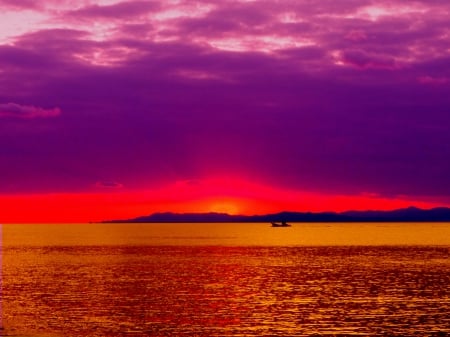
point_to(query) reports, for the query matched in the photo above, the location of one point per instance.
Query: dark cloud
(364, 60)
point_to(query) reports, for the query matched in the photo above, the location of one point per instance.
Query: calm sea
(113, 280)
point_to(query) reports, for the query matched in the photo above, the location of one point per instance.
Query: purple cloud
(109, 184)
(325, 96)
(27, 111)
(362, 60)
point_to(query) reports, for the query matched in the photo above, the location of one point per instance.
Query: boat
(282, 224)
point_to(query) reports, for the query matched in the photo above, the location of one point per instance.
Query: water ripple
(226, 291)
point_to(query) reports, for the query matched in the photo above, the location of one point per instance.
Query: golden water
(226, 280)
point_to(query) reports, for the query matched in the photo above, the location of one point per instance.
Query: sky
(116, 109)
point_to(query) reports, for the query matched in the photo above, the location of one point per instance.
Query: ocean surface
(113, 280)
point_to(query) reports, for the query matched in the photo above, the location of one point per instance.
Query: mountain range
(410, 214)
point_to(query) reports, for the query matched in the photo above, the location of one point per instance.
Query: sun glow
(225, 206)
(220, 195)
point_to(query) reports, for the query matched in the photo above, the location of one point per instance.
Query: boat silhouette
(282, 224)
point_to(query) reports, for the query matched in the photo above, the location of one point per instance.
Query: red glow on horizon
(231, 196)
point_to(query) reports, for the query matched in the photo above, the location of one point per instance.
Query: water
(226, 280)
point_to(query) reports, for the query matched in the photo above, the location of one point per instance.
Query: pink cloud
(433, 80)
(356, 35)
(119, 11)
(27, 111)
(19, 4)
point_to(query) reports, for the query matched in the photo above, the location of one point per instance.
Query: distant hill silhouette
(410, 214)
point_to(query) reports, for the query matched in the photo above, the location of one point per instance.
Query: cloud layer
(26, 111)
(348, 97)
